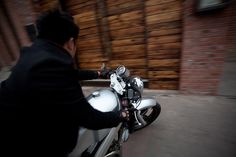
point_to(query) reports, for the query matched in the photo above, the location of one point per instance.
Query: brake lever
(136, 118)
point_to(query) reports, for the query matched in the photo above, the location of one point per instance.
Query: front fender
(146, 102)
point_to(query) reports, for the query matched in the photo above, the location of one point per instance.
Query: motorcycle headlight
(135, 89)
(137, 84)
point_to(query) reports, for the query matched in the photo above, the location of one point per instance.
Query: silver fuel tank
(104, 100)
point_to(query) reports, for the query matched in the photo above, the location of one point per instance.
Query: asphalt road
(188, 126)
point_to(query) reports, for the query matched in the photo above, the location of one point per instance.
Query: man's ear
(70, 46)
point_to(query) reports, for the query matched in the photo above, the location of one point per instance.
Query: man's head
(58, 27)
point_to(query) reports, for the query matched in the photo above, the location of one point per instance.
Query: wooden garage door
(127, 32)
(164, 27)
(143, 35)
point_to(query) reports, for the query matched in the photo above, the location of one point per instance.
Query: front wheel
(149, 115)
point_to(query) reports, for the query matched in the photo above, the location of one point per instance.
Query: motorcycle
(125, 92)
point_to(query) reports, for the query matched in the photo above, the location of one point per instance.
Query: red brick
(205, 41)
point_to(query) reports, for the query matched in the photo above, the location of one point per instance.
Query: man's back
(33, 100)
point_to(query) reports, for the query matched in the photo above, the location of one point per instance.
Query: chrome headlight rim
(137, 83)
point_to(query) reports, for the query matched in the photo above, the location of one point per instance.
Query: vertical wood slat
(93, 35)
(127, 25)
(145, 36)
(104, 33)
(163, 20)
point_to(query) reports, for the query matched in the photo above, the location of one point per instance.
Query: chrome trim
(114, 153)
(140, 118)
(107, 142)
(118, 86)
(145, 103)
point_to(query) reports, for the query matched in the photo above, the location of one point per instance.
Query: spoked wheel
(149, 115)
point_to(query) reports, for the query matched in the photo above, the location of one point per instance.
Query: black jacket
(42, 104)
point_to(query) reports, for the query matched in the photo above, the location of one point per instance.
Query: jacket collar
(47, 44)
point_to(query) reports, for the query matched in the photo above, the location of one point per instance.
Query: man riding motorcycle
(42, 104)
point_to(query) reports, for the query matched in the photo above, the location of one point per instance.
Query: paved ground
(189, 126)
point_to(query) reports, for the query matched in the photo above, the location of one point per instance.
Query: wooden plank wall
(164, 27)
(127, 30)
(45, 5)
(90, 47)
(144, 35)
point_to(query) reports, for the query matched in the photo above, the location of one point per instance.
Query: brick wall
(16, 9)
(203, 50)
(8, 43)
(25, 10)
(14, 15)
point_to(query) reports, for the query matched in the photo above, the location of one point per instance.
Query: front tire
(149, 115)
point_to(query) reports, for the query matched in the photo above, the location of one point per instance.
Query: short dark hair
(56, 26)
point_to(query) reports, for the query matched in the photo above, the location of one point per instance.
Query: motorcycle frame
(107, 142)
